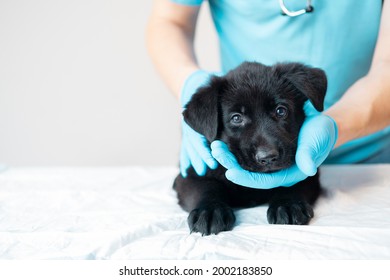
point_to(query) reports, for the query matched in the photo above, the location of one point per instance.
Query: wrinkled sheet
(132, 213)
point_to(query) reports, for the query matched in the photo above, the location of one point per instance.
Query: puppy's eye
(281, 111)
(236, 119)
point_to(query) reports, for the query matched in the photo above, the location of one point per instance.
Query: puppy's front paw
(211, 219)
(292, 212)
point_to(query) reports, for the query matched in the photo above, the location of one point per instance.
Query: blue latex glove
(195, 150)
(315, 141)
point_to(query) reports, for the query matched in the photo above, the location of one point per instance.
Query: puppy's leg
(294, 205)
(207, 201)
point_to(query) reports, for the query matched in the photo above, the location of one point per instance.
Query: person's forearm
(365, 107)
(170, 43)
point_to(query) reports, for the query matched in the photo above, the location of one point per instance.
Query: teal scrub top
(338, 36)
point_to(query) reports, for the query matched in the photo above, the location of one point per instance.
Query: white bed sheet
(132, 213)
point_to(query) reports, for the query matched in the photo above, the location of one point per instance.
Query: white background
(78, 88)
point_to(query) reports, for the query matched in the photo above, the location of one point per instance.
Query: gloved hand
(195, 150)
(316, 139)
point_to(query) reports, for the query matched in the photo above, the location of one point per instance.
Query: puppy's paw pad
(211, 219)
(290, 212)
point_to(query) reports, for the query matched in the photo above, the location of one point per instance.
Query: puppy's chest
(240, 196)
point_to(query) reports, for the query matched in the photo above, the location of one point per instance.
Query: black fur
(257, 111)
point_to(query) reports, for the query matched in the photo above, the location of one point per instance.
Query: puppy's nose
(266, 156)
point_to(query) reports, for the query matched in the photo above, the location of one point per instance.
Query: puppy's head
(257, 111)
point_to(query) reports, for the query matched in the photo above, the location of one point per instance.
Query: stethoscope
(309, 8)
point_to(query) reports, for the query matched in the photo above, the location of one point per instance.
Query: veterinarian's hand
(315, 141)
(195, 150)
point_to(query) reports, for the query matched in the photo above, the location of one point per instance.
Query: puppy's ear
(312, 82)
(201, 112)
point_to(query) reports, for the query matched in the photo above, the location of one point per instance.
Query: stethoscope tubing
(285, 11)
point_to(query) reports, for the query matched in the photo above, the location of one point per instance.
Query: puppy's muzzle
(266, 157)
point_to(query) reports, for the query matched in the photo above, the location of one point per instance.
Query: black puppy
(257, 111)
